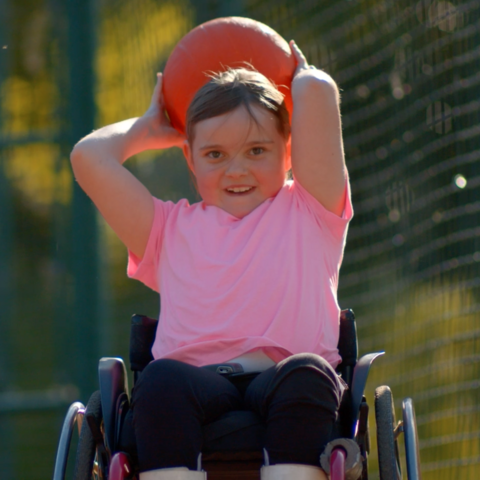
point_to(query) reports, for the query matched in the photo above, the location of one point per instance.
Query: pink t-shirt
(230, 286)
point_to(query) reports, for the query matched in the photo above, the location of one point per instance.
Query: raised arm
(317, 147)
(121, 198)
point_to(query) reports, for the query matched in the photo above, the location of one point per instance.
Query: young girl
(249, 275)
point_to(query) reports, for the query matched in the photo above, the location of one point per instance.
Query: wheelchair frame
(99, 454)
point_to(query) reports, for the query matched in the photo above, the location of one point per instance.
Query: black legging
(298, 398)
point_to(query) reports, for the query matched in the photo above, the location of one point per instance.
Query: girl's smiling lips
(239, 189)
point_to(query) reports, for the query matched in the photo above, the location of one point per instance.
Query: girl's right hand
(162, 134)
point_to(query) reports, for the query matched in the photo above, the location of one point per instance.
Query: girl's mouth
(239, 190)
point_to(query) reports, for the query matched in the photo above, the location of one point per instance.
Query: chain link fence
(409, 72)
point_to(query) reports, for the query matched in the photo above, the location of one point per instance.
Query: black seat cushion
(236, 430)
(239, 430)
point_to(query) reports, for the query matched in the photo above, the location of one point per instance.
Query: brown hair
(233, 88)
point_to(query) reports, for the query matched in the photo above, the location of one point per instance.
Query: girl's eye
(215, 154)
(257, 150)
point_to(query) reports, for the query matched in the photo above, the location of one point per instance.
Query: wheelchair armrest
(360, 375)
(113, 382)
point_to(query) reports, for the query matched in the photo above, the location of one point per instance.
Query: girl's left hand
(163, 135)
(317, 149)
(302, 63)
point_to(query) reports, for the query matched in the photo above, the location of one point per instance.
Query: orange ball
(213, 47)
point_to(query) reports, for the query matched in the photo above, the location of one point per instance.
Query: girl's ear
(187, 152)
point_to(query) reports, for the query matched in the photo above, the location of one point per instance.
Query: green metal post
(7, 439)
(84, 218)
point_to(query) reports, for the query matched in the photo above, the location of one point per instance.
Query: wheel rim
(74, 413)
(412, 452)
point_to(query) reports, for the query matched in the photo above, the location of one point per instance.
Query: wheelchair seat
(234, 441)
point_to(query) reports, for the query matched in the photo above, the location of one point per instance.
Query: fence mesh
(410, 81)
(409, 74)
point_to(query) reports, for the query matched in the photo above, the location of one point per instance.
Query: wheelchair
(233, 443)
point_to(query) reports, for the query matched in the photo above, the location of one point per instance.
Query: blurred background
(410, 79)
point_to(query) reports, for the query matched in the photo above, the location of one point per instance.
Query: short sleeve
(146, 269)
(337, 225)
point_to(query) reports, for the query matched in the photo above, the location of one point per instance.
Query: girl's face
(238, 162)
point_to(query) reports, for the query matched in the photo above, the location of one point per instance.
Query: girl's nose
(236, 167)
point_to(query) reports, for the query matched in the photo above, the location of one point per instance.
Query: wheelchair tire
(90, 461)
(387, 446)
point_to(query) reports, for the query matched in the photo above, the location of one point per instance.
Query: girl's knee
(163, 371)
(309, 373)
(162, 378)
(306, 361)
(164, 367)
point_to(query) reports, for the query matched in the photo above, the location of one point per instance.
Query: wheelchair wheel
(388, 456)
(91, 459)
